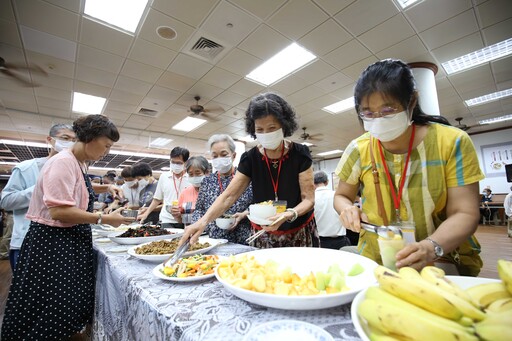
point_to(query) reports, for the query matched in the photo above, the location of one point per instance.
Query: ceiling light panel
(479, 57)
(406, 3)
(489, 98)
(88, 104)
(496, 119)
(189, 124)
(124, 14)
(281, 65)
(340, 106)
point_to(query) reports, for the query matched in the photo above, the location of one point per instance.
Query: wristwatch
(98, 222)
(438, 249)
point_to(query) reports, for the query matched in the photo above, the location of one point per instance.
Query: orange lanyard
(397, 198)
(177, 189)
(275, 184)
(220, 183)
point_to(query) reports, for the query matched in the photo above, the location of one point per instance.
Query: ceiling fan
(462, 126)
(13, 70)
(198, 110)
(306, 136)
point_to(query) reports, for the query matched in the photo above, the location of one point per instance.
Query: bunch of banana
(409, 305)
(505, 272)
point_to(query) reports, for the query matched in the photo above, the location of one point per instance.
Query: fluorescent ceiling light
(479, 57)
(88, 104)
(340, 106)
(336, 151)
(281, 65)
(9, 163)
(23, 143)
(406, 3)
(489, 98)
(125, 14)
(307, 144)
(156, 156)
(496, 119)
(160, 142)
(189, 124)
(247, 138)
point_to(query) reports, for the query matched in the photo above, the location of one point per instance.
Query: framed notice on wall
(495, 157)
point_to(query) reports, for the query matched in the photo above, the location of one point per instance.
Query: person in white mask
(170, 186)
(147, 185)
(131, 188)
(197, 168)
(18, 191)
(280, 171)
(223, 152)
(414, 171)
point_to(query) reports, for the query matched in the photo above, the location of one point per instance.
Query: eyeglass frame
(365, 118)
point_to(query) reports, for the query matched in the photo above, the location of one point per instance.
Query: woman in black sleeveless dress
(52, 291)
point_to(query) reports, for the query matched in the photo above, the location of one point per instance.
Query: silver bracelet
(295, 214)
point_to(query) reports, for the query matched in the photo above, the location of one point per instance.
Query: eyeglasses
(65, 138)
(386, 112)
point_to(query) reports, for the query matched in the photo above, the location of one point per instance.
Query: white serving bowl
(260, 211)
(303, 260)
(224, 223)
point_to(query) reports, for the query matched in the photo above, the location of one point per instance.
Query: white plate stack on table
(155, 258)
(288, 330)
(173, 233)
(304, 265)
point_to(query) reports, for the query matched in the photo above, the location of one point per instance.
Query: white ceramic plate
(162, 258)
(157, 271)
(361, 327)
(288, 330)
(259, 221)
(176, 233)
(303, 260)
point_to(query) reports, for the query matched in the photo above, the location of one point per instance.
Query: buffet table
(133, 304)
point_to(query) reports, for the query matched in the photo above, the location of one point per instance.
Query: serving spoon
(387, 232)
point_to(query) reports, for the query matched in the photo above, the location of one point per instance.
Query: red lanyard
(177, 189)
(220, 183)
(275, 184)
(397, 198)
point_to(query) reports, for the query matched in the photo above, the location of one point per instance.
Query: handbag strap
(376, 182)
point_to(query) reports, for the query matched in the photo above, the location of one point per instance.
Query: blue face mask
(196, 180)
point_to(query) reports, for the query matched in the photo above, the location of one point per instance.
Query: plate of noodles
(161, 250)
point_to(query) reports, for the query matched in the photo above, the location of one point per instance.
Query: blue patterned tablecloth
(133, 304)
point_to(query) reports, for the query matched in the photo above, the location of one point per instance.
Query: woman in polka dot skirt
(52, 291)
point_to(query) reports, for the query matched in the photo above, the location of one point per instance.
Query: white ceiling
(147, 71)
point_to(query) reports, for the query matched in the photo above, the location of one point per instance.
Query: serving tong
(386, 232)
(177, 254)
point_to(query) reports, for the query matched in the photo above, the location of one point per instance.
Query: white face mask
(271, 140)
(196, 180)
(143, 183)
(132, 183)
(223, 164)
(60, 145)
(388, 129)
(177, 168)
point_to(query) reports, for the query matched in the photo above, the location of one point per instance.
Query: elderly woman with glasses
(415, 171)
(223, 153)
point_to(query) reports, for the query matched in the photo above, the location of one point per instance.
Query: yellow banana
(407, 272)
(399, 321)
(505, 272)
(496, 327)
(437, 277)
(377, 294)
(377, 335)
(503, 304)
(427, 296)
(487, 293)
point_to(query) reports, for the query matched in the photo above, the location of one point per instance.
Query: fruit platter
(448, 308)
(296, 278)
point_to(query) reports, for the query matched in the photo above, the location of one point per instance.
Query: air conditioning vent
(206, 48)
(147, 112)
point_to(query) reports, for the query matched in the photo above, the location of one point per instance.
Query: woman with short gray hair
(223, 153)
